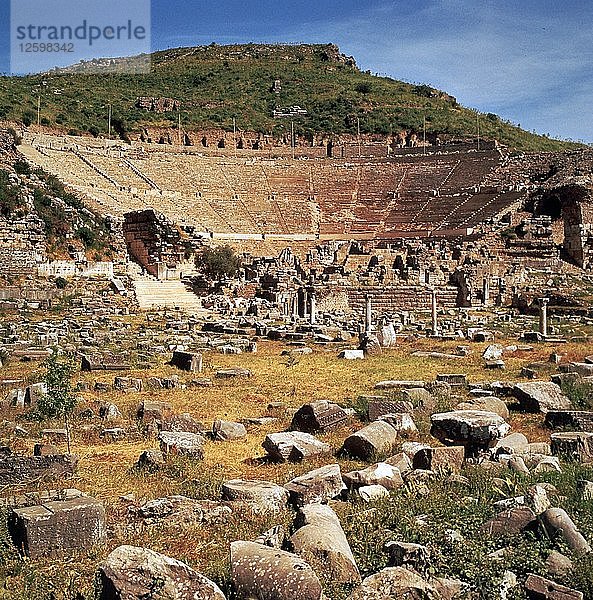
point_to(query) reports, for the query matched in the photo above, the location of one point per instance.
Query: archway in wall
(570, 207)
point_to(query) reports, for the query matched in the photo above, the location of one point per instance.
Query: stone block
(265, 496)
(569, 419)
(541, 396)
(16, 470)
(540, 588)
(372, 441)
(473, 429)
(573, 445)
(182, 443)
(320, 415)
(351, 354)
(187, 361)
(317, 486)
(448, 459)
(294, 446)
(59, 526)
(264, 573)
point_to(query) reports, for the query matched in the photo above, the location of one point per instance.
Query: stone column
(435, 324)
(368, 321)
(305, 303)
(486, 291)
(313, 315)
(543, 316)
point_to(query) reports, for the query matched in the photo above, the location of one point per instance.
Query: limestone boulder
(225, 431)
(293, 446)
(317, 486)
(180, 511)
(474, 429)
(395, 582)
(414, 556)
(401, 461)
(370, 344)
(419, 397)
(383, 474)
(372, 493)
(151, 460)
(541, 396)
(376, 439)
(400, 422)
(264, 496)
(486, 403)
(511, 521)
(182, 443)
(351, 354)
(321, 541)
(262, 573)
(515, 443)
(183, 422)
(130, 572)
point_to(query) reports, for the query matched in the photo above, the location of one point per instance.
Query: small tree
(218, 263)
(60, 400)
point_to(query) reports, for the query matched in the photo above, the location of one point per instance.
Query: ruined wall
(71, 268)
(385, 299)
(578, 231)
(153, 242)
(22, 245)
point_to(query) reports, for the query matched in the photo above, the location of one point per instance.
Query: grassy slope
(217, 83)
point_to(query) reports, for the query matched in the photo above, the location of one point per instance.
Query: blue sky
(530, 61)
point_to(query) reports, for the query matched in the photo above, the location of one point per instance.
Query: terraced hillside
(243, 197)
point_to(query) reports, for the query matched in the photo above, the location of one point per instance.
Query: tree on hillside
(59, 400)
(218, 263)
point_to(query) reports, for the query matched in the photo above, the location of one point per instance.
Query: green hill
(216, 83)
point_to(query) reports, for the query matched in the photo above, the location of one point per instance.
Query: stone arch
(573, 203)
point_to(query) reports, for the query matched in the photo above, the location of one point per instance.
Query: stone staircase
(154, 294)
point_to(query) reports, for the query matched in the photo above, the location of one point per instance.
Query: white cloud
(521, 62)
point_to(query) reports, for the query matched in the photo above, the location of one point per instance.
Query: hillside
(38, 215)
(217, 83)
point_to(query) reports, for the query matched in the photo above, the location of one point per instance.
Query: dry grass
(106, 469)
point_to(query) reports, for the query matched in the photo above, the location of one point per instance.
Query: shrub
(60, 399)
(86, 236)
(219, 263)
(22, 167)
(10, 198)
(61, 283)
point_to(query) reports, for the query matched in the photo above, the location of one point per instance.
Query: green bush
(218, 263)
(11, 204)
(22, 167)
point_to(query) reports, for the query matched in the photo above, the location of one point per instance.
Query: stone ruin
(158, 105)
(153, 242)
